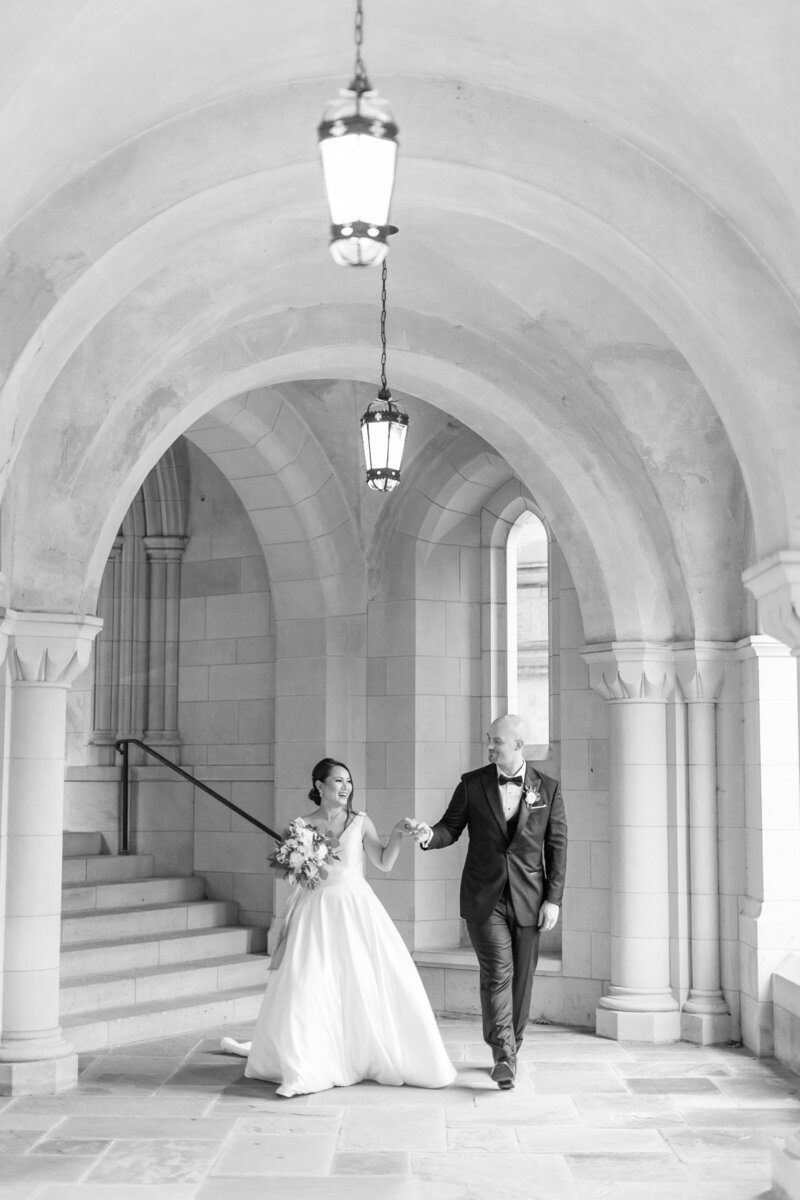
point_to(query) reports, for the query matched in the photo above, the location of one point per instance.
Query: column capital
(631, 670)
(700, 668)
(761, 646)
(165, 547)
(775, 583)
(51, 648)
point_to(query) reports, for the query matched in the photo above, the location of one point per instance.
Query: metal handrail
(121, 746)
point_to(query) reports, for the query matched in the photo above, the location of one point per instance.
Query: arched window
(528, 627)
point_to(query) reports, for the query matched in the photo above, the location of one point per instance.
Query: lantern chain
(384, 388)
(360, 81)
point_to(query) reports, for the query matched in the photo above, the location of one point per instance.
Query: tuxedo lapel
(531, 780)
(491, 790)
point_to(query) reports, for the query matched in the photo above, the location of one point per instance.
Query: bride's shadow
(471, 1078)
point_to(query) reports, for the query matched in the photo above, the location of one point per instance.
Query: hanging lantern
(358, 145)
(383, 431)
(384, 425)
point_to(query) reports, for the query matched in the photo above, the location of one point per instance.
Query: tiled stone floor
(588, 1120)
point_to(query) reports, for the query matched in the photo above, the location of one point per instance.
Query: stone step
(127, 893)
(156, 919)
(451, 979)
(155, 985)
(105, 868)
(122, 1026)
(83, 843)
(81, 960)
(463, 958)
(146, 956)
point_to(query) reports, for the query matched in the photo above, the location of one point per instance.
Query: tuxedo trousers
(507, 955)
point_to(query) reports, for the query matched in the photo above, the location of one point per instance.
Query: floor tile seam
(91, 1163)
(114, 1142)
(47, 1134)
(141, 1137)
(96, 1162)
(130, 1079)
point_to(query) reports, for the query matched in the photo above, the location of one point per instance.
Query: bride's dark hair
(321, 772)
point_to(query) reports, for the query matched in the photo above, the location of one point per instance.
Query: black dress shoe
(503, 1073)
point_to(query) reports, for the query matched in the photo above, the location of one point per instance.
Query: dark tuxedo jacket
(531, 858)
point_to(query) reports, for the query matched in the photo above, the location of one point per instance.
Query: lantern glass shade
(383, 432)
(358, 145)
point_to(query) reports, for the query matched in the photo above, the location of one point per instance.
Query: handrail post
(124, 833)
(122, 748)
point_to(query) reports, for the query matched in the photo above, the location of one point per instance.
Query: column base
(638, 1026)
(39, 1077)
(705, 1029)
(786, 1169)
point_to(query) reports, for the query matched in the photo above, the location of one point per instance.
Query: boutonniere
(532, 796)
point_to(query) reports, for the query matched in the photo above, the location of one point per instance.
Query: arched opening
(528, 628)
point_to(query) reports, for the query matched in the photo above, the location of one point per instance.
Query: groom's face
(503, 745)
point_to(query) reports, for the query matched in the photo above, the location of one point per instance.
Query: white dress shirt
(511, 793)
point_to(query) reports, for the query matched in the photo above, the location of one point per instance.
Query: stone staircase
(145, 957)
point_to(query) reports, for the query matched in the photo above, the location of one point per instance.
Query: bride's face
(336, 788)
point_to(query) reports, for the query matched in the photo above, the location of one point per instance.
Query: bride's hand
(405, 827)
(417, 829)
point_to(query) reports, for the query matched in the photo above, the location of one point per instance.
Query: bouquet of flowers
(303, 854)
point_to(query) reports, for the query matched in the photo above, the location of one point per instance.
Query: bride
(345, 1002)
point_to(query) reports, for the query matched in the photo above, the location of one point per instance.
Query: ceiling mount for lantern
(384, 425)
(358, 144)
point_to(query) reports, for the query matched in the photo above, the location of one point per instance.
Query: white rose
(295, 859)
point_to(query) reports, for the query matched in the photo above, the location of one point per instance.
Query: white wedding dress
(346, 1002)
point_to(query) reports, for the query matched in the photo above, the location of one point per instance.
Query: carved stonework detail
(775, 583)
(136, 664)
(49, 648)
(631, 670)
(701, 669)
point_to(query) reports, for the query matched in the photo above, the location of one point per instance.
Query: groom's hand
(548, 915)
(420, 831)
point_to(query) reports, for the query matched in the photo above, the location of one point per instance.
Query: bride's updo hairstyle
(321, 772)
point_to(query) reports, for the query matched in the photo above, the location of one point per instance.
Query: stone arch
(463, 392)
(135, 689)
(459, 475)
(294, 500)
(499, 515)
(532, 212)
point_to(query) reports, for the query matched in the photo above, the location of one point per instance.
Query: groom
(512, 882)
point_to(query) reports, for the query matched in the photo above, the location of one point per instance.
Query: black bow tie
(515, 779)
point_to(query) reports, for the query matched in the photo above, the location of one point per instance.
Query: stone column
(637, 679)
(164, 554)
(706, 1017)
(106, 654)
(770, 915)
(46, 652)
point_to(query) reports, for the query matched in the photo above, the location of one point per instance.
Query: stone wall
(226, 707)
(585, 916)
(226, 716)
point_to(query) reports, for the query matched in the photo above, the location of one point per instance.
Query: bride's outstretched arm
(384, 856)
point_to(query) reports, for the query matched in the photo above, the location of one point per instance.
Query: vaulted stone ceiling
(597, 270)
